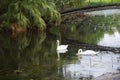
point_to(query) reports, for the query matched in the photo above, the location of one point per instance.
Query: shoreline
(109, 76)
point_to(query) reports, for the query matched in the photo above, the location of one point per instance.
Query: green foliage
(30, 13)
(64, 5)
(68, 4)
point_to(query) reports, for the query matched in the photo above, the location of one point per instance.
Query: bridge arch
(80, 11)
(92, 8)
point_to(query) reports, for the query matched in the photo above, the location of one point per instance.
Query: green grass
(103, 1)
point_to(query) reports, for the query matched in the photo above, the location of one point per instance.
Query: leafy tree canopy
(29, 13)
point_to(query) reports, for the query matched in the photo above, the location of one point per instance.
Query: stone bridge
(91, 8)
(79, 12)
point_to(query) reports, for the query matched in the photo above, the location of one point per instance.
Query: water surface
(34, 56)
(97, 27)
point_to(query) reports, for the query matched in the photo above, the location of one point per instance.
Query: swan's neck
(58, 43)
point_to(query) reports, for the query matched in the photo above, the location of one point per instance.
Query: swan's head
(58, 42)
(79, 50)
(79, 54)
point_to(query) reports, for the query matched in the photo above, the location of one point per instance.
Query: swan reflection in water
(93, 65)
(60, 52)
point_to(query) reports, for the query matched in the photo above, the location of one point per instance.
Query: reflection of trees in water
(91, 29)
(18, 51)
(31, 56)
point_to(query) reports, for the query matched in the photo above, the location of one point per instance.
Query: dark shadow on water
(91, 46)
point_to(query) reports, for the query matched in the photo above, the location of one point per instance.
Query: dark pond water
(34, 56)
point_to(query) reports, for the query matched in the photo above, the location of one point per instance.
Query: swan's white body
(62, 51)
(61, 47)
(87, 52)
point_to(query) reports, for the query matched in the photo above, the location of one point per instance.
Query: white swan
(87, 52)
(61, 47)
